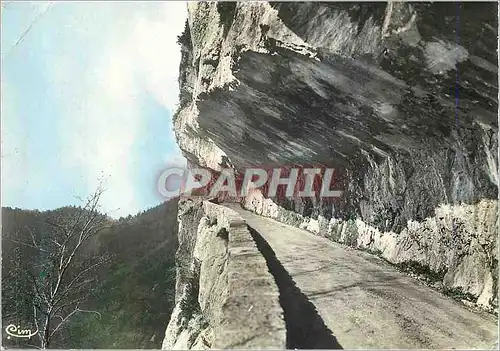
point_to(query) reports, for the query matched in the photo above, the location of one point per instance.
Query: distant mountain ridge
(134, 293)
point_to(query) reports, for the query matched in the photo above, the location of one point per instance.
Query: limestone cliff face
(225, 296)
(401, 97)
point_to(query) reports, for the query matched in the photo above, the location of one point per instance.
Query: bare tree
(59, 275)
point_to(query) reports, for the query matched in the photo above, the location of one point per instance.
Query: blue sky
(87, 96)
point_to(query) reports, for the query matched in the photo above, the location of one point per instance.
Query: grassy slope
(134, 294)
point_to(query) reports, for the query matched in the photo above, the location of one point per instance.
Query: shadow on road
(305, 328)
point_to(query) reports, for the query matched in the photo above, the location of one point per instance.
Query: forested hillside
(126, 301)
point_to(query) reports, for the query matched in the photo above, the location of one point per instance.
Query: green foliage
(459, 294)
(415, 267)
(371, 250)
(134, 293)
(226, 11)
(376, 252)
(185, 37)
(351, 233)
(190, 305)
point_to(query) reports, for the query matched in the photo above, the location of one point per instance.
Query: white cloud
(102, 113)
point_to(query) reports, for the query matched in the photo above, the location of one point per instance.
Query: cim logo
(15, 331)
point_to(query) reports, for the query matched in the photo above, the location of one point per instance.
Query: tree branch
(65, 319)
